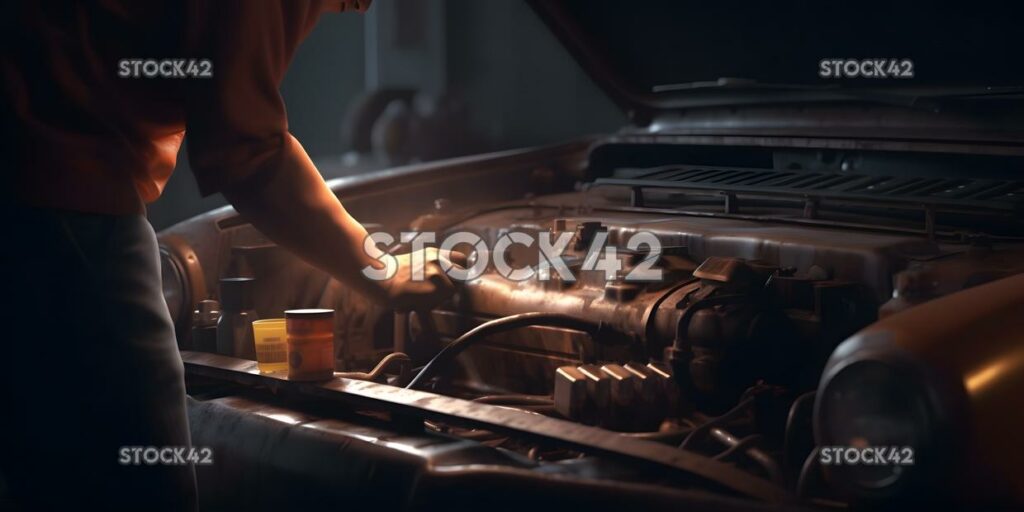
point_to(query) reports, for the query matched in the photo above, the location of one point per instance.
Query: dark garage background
(507, 81)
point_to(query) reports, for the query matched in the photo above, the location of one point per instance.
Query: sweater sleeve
(236, 125)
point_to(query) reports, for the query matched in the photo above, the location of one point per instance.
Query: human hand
(420, 282)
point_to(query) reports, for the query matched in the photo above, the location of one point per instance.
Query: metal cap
(309, 314)
(236, 293)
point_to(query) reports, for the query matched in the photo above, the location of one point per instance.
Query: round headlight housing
(873, 404)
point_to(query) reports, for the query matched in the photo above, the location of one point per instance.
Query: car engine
(733, 354)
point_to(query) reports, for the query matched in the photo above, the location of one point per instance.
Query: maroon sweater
(88, 138)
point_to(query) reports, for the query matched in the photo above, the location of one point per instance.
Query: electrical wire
(810, 464)
(714, 422)
(482, 331)
(389, 360)
(672, 436)
(787, 434)
(741, 444)
(766, 461)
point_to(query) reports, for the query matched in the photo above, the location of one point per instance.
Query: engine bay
(722, 357)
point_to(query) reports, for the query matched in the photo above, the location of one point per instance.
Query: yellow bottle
(271, 345)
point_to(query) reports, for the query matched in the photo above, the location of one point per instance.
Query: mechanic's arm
(239, 144)
(294, 207)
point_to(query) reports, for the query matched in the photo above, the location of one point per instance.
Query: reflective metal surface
(419, 404)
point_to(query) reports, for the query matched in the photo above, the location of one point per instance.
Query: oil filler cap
(236, 293)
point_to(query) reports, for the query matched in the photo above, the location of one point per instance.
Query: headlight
(944, 379)
(870, 403)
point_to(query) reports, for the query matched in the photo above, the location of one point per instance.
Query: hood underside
(658, 57)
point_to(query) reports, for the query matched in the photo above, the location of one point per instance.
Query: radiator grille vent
(939, 192)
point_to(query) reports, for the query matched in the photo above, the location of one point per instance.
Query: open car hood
(652, 57)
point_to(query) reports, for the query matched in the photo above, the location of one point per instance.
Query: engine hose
(714, 422)
(810, 466)
(507, 323)
(787, 435)
(389, 360)
(681, 351)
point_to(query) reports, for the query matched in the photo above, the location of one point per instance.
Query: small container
(310, 344)
(204, 326)
(271, 345)
(234, 329)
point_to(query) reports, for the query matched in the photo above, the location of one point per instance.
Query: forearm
(294, 208)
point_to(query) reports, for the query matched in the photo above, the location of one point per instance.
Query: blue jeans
(89, 364)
